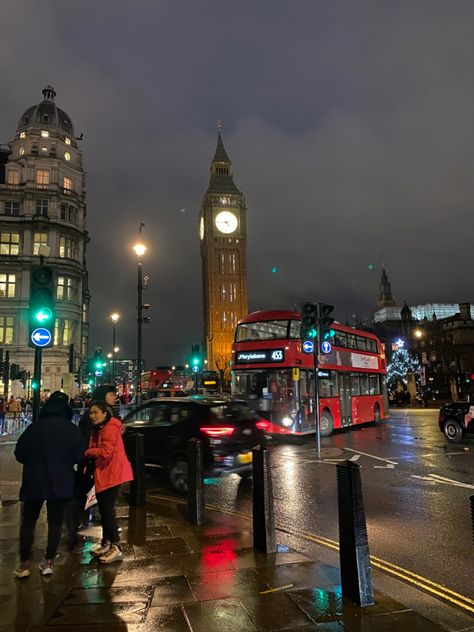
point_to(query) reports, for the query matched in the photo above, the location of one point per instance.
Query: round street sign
(98, 373)
(308, 346)
(195, 369)
(326, 347)
(41, 337)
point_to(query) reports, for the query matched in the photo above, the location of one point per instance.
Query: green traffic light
(34, 385)
(195, 361)
(43, 315)
(311, 333)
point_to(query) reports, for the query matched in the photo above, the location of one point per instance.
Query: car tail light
(217, 431)
(263, 424)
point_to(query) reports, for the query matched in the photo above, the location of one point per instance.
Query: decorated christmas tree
(402, 363)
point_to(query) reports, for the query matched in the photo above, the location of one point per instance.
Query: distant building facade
(42, 204)
(223, 237)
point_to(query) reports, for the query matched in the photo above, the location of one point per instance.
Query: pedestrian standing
(48, 450)
(3, 411)
(14, 407)
(111, 469)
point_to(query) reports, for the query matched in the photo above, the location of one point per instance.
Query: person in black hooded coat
(48, 450)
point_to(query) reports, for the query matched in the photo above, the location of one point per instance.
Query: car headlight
(287, 421)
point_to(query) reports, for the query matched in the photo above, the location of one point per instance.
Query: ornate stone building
(223, 235)
(43, 210)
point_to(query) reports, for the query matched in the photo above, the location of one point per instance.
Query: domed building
(43, 219)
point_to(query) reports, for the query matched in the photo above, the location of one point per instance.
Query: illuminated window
(42, 178)
(56, 332)
(42, 208)
(67, 141)
(44, 133)
(44, 150)
(22, 151)
(39, 239)
(67, 156)
(85, 312)
(13, 177)
(9, 243)
(12, 208)
(22, 134)
(67, 332)
(65, 289)
(67, 248)
(6, 330)
(67, 185)
(7, 285)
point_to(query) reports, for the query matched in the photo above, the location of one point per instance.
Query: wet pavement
(180, 577)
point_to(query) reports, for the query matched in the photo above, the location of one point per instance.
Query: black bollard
(195, 482)
(263, 514)
(136, 451)
(356, 573)
(471, 498)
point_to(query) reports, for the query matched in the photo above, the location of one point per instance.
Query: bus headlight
(287, 421)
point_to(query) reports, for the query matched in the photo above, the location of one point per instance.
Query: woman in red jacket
(111, 469)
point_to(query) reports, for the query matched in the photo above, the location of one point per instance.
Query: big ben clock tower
(223, 235)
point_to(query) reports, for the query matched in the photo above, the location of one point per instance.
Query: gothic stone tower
(385, 297)
(223, 234)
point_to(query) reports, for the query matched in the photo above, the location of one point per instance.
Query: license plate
(245, 458)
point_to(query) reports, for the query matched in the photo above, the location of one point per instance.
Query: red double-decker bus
(271, 371)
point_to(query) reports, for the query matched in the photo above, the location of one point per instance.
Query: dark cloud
(349, 126)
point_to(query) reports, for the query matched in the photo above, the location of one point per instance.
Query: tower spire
(385, 298)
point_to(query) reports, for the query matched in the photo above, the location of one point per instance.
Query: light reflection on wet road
(415, 520)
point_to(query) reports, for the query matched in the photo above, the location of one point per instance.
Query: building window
(67, 332)
(13, 177)
(65, 125)
(67, 141)
(22, 151)
(64, 211)
(67, 185)
(6, 330)
(42, 178)
(85, 312)
(9, 243)
(7, 285)
(67, 156)
(12, 208)
(67, 248)
(42, 208)
(65, 290)
(44, 133)
(39, 239)
(22, 134)
(44, 150)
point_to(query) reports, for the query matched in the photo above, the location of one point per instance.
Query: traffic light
(196, 360)
(41, 313)
(14, 371)
(309, 321)
(325, 321)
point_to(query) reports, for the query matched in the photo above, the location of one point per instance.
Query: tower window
(6, 330)
(22, 134)
(45, 118)
(39, 239)
(22, 151)
(67, 156)
(7, 285)
(12, 208)
(9, 243)
(65, 125)
(27, 119)
(42, 208)
(44, 133)
(44, 150)
(67, 141)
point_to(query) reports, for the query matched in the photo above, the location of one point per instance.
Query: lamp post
(140, 250)
(114, 318)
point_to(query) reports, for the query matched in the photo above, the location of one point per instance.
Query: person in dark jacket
(48, 450)
(84, 476)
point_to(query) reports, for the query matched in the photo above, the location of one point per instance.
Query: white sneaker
(100, 549)
(114, 554)
(46, 567)
(22, 571)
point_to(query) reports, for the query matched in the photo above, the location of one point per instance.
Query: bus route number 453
(277, 354)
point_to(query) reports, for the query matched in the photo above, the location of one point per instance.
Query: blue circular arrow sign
(308, 346)
(41, 337)
(195, 369)
(326, 347)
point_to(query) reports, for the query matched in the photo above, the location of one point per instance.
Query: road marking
(454, 453)
(426, 584)
(434, 478)
(384, 467)
(356, 457)
(272, 590)
(379, 458)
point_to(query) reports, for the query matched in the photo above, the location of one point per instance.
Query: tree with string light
(402, 363)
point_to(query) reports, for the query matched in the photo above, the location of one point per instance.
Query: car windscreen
(231, 412)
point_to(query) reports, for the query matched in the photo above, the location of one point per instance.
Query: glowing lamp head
(139, 249)
(115, 318)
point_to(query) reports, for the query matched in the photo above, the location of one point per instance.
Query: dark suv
(228, 430)
(456, 419)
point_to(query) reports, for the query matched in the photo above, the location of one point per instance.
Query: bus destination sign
(260, 356)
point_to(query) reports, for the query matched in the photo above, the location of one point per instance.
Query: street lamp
(140, 250)
(114, 318)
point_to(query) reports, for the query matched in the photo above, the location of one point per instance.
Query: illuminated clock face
(201, 228)
(226, 222)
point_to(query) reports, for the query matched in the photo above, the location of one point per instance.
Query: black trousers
(31, 511)
(106, 501)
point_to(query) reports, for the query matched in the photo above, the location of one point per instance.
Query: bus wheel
(376, 413)
(452, 431)
(326, 424)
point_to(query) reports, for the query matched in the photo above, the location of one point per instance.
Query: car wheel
(326, 424)
(453, 431)
(178, 474)
(377, 415)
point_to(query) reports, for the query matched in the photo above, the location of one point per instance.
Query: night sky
(349, 125)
